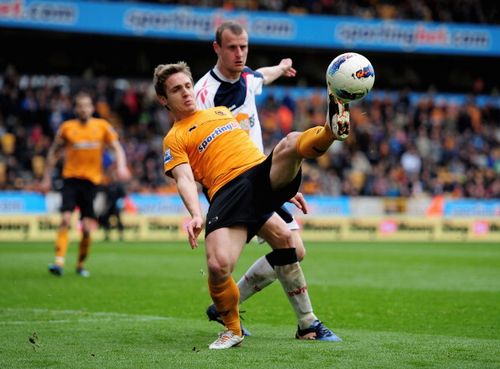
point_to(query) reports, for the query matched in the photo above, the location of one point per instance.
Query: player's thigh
(223, 247)
(276, 233)
(286, 161)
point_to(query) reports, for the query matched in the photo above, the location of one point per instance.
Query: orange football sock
(314, 142)
(83, 249)
(62, 242)
(226, 297)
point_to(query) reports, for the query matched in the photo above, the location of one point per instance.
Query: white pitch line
(79, 316)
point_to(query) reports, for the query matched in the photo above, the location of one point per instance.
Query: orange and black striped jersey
(84, 144)
(212, 142)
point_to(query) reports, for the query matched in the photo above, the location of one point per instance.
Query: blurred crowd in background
(397, 147)
(459, 11)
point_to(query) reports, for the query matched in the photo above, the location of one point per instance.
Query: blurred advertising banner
(134, 19)
(401, 229)
(471, 208)
(14, 202)
(32, 216)
(136, 228)
(324, 229)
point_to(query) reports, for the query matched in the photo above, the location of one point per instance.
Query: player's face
(84, 108)
(232, 53)
(180, 95)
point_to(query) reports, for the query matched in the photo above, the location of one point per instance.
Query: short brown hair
(163, 71)
(234, 27)
(82, 95)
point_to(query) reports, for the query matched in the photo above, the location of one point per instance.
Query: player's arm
(186, 186)
(50, 162)
(284, 68)
(121, 160)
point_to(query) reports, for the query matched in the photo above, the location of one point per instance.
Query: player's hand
(194, 228)
(300, 202)
(45, 185)
(123, 173)
(286, 66)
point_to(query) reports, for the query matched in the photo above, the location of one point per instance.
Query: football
(350, 77)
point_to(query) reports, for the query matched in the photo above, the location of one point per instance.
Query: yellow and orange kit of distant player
(85, 143)
(212, 142)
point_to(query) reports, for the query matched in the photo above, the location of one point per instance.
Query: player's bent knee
(299, 245)
(287, 144)
(280, 239)
(301, 253)
(65, 224)
(218, 270)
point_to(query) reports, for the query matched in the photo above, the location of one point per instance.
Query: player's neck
(183, 115)
(226, 74)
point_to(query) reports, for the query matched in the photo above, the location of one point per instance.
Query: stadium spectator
(83, 140)
(441, 130)
(464, 11)
(244, 187)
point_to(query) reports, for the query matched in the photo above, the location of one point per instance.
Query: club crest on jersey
(167, 156)
(216, 133)
(245, 124)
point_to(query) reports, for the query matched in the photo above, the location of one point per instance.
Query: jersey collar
(216, 73)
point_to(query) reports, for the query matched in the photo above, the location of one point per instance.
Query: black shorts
(81, 193)
(249, 200)
(285, 214)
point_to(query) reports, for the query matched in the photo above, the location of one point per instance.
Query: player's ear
(216, 47)
(163, 101)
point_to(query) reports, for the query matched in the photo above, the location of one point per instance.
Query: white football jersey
(213, 89)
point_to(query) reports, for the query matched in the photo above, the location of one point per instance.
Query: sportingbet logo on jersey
(86, 145)
(216, 133)
(167, 157)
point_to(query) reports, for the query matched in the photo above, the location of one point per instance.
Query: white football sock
(293, 281)
(260, 275)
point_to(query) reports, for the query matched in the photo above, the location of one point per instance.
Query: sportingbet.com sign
(190, 23)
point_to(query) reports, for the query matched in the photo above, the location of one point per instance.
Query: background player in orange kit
(83, 140)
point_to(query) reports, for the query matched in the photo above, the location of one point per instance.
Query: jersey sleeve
(110, 134)
(62, 131)
(174, 153)
(257, 82)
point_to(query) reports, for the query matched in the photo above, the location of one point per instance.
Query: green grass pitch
(395, 305)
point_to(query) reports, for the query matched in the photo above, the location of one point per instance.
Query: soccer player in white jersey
(234, 85)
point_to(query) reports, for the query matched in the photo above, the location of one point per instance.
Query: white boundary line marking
(76, 316)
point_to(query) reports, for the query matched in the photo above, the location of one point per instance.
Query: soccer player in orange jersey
(244, 188)
(83, 140)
